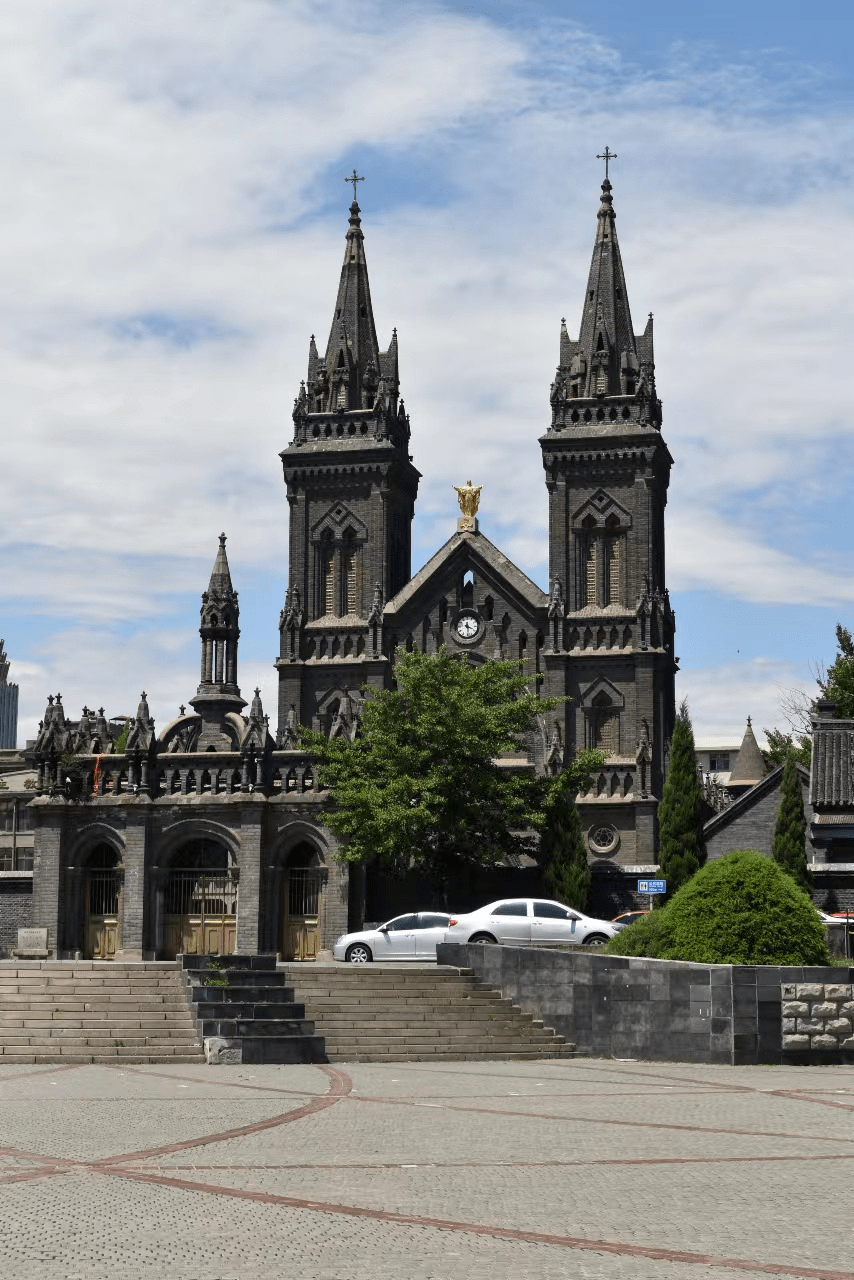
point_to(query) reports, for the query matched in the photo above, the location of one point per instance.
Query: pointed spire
(220, 583)
(750, 766)
(353, 374)
(4, 665)
(607, 359)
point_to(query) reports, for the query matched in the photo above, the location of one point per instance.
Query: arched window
(349, 567)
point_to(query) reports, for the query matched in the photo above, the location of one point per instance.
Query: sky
(171, 232)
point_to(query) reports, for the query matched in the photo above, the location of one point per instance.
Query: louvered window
(615, 570)
(607, 732)
(348, 565)
(590, 572)
(328, 583)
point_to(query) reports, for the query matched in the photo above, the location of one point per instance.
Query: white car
(528, 922)
(411, 937)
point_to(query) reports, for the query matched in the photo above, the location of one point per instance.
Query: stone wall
(818, 1016)
(659, 1010)
(16, 903)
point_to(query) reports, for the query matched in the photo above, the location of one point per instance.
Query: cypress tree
(563, 854)
(789, 848)
(681, 814)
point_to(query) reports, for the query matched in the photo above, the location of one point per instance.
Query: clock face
(467, 627)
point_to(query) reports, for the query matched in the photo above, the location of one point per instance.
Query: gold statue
(468, 496)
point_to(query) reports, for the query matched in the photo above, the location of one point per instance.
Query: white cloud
(162, 265)
(721, 698)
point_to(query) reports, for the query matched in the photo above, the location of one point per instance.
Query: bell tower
(607, 472)
(351, 489)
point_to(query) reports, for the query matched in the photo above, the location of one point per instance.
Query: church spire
(218, 691)
(353, 374)
(608, 359)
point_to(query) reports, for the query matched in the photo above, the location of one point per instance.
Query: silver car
(530, 922)
(411, 937)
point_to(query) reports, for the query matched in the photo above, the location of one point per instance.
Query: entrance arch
(200, 900)
(102, 895)
(303, 883)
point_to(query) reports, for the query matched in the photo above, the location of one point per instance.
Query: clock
(467, 626)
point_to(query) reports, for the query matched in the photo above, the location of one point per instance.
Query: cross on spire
(605, 155)
(354, 178)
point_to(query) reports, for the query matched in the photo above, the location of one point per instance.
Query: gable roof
(463, 551)
(747, 799)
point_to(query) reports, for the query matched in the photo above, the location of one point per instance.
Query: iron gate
(303, 900)
(103, 892)
(201, 912)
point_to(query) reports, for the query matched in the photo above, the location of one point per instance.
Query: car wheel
(482, 937)
(596, 940)
(358, 953)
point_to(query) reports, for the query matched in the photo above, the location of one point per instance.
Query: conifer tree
(563, 855)
(789, 848)
(682, 810)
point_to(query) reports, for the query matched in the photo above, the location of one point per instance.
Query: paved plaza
(573, 1168)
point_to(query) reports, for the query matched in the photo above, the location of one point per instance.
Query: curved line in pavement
(340, 1085)
(481, 1229)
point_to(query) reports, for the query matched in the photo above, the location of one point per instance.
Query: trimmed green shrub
(648, 936)
(740, 909)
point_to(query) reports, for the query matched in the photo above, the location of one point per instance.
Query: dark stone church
(208, 835)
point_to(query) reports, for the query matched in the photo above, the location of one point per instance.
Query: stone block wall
(818, 1016)
(668, 1010)
(16, 910)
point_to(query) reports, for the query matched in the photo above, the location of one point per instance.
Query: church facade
(208, 835)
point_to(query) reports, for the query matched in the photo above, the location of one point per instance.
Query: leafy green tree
(682, 811)
(835, 683)
(740, 909)
(789, 848)
(422, 786)
(782, 746)
(838, 684)
(563, 851)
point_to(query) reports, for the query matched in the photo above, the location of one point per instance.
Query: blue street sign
(652, 886)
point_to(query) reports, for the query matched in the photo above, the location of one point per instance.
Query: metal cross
(354, 178)
(606, 155)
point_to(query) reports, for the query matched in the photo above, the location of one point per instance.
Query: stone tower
(351, 490)
(218, 693)
(607, 471)
(8, 706)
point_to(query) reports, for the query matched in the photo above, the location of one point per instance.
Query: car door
(509, 921)
(553, 923)
(396, 939)
(432, 927)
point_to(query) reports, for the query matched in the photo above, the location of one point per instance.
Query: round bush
(739, 909)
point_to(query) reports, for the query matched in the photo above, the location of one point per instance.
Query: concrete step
(82, 1013)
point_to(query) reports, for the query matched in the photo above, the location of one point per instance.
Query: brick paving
(426, 1171)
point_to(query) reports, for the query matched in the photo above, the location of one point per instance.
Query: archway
(303, 883)
(200, 900)
(102, 895)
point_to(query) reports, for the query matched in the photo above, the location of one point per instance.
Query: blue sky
(172, 225)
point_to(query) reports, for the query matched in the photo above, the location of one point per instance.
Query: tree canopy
(563, 851)
(789, 848)
(682, 850)
(423, 785)
(835, 683)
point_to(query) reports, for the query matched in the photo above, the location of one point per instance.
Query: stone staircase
(416, 1013)
(75, 1011)
(246, 1012)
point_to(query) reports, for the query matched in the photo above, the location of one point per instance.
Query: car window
(402, 922)
(550, 911)
(426, 921)
(511, 909)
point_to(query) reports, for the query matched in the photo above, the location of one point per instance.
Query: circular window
(603, 839)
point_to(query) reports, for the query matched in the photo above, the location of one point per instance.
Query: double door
(303, 894)
(103, 896)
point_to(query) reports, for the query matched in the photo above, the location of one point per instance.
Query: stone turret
(8, 706)
(218, 693)
(749, 767)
